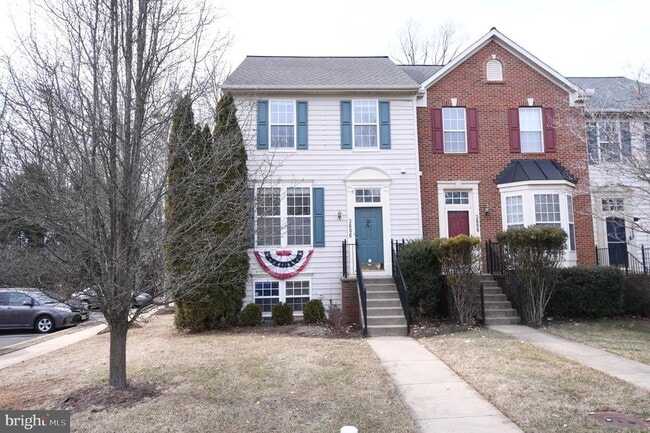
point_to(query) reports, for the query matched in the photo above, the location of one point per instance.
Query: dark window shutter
(592, 142)
(262, 124)
(472, 129)
(513, 126)
(438, 143)
(346, 125)
(251, 218)
(549, 130)
(319, 216)
(301, 109)
(626, 138)
(384, 125)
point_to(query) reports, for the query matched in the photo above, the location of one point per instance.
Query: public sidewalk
(48, 346)
(438, 400)
(633, 372)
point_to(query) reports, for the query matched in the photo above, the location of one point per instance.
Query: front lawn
(213, 382)
(626, 337)
(539, 391)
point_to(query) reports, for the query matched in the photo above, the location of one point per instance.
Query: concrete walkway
(437, 398)
(48, 346)
(625, 369)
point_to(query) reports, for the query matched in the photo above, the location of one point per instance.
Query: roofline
(512, 47)
(329, 89)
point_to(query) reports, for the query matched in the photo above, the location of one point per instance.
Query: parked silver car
(33, 309)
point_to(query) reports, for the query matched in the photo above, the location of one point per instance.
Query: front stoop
(498, 310)
(385, 314)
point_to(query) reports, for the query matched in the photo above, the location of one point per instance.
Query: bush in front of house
(251, 315)
(587, 291)
(460, 261)
(534, 255)
(636, 295)
(313, 312)
(421, 270)
(282, 314)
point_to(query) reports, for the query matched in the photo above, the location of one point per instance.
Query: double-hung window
(514, 212)
(283, 216)
(572, 229)
(454, 130)
(365, 124)
(608, 140)
(283, 121)
(293, 292)
(547, 210)
(530, 129)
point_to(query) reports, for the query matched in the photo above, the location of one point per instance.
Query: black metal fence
(624, 260)
(402, 289)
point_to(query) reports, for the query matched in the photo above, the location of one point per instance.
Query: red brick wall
(350, 300)
(467, 83)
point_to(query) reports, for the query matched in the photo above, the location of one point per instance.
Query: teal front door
(370, 231)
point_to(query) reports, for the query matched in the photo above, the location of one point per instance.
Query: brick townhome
(498, 147)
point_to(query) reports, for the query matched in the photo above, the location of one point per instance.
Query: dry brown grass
(626, 337)
(536, 389)
(218, 382)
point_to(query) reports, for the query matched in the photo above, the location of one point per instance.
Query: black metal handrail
(482, 291)
(494, 257)
(344, 257)
(398, 277)
(362, 289)
(626, 261)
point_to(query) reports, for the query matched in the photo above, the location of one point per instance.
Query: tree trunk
(117, 357)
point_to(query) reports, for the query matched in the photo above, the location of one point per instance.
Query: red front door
(458, 223)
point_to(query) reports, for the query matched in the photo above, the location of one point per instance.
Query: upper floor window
(282, 124)
(454, 128)
(608, 140)
(530, 129)
(494, 70)
(365, 124)
(283, 120)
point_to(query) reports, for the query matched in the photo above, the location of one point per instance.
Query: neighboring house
(332, 156)
(618, 142)
(498, 147)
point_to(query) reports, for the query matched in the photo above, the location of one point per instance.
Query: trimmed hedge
(313, 311)
(636, 295)
(595, 291)
(282, 314)
(251, 315)
(421, 270)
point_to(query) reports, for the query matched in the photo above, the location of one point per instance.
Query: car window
(4, 298)
(18, 299)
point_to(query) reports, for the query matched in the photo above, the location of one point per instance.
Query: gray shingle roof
(420, 73)
(363, 73)
(522, 170)
(615, 93)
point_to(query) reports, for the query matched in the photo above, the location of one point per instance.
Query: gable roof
(319, 73)
(513, 48)
(614, 94)
(420, 73)
(523, 170)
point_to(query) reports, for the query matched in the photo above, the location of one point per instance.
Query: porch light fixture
(339, 215)
(531, 101)
(487, 210)
(453, 101)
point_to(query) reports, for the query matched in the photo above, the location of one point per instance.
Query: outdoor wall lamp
(487, 210)
(339, 215)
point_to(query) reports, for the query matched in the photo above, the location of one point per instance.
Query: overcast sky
(575, 37)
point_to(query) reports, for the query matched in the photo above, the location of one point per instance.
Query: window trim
(292, 103)
(284, 215)
(354, 124)
(522, 130)
(282, 290)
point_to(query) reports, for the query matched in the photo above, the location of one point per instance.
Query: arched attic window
(494, 70)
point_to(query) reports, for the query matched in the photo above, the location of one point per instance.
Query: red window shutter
(549, 130)
(472, 123)
(438, 144)
(513, 124)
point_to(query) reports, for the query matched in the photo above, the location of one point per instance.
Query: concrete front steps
(498, 310)
(385, 314)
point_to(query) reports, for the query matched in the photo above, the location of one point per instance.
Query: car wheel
(44, 324)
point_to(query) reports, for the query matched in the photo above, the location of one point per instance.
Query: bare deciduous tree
(91, 103)
(437, 49)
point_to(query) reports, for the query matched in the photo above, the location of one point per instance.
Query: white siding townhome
(618, 142)
(332, 156)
